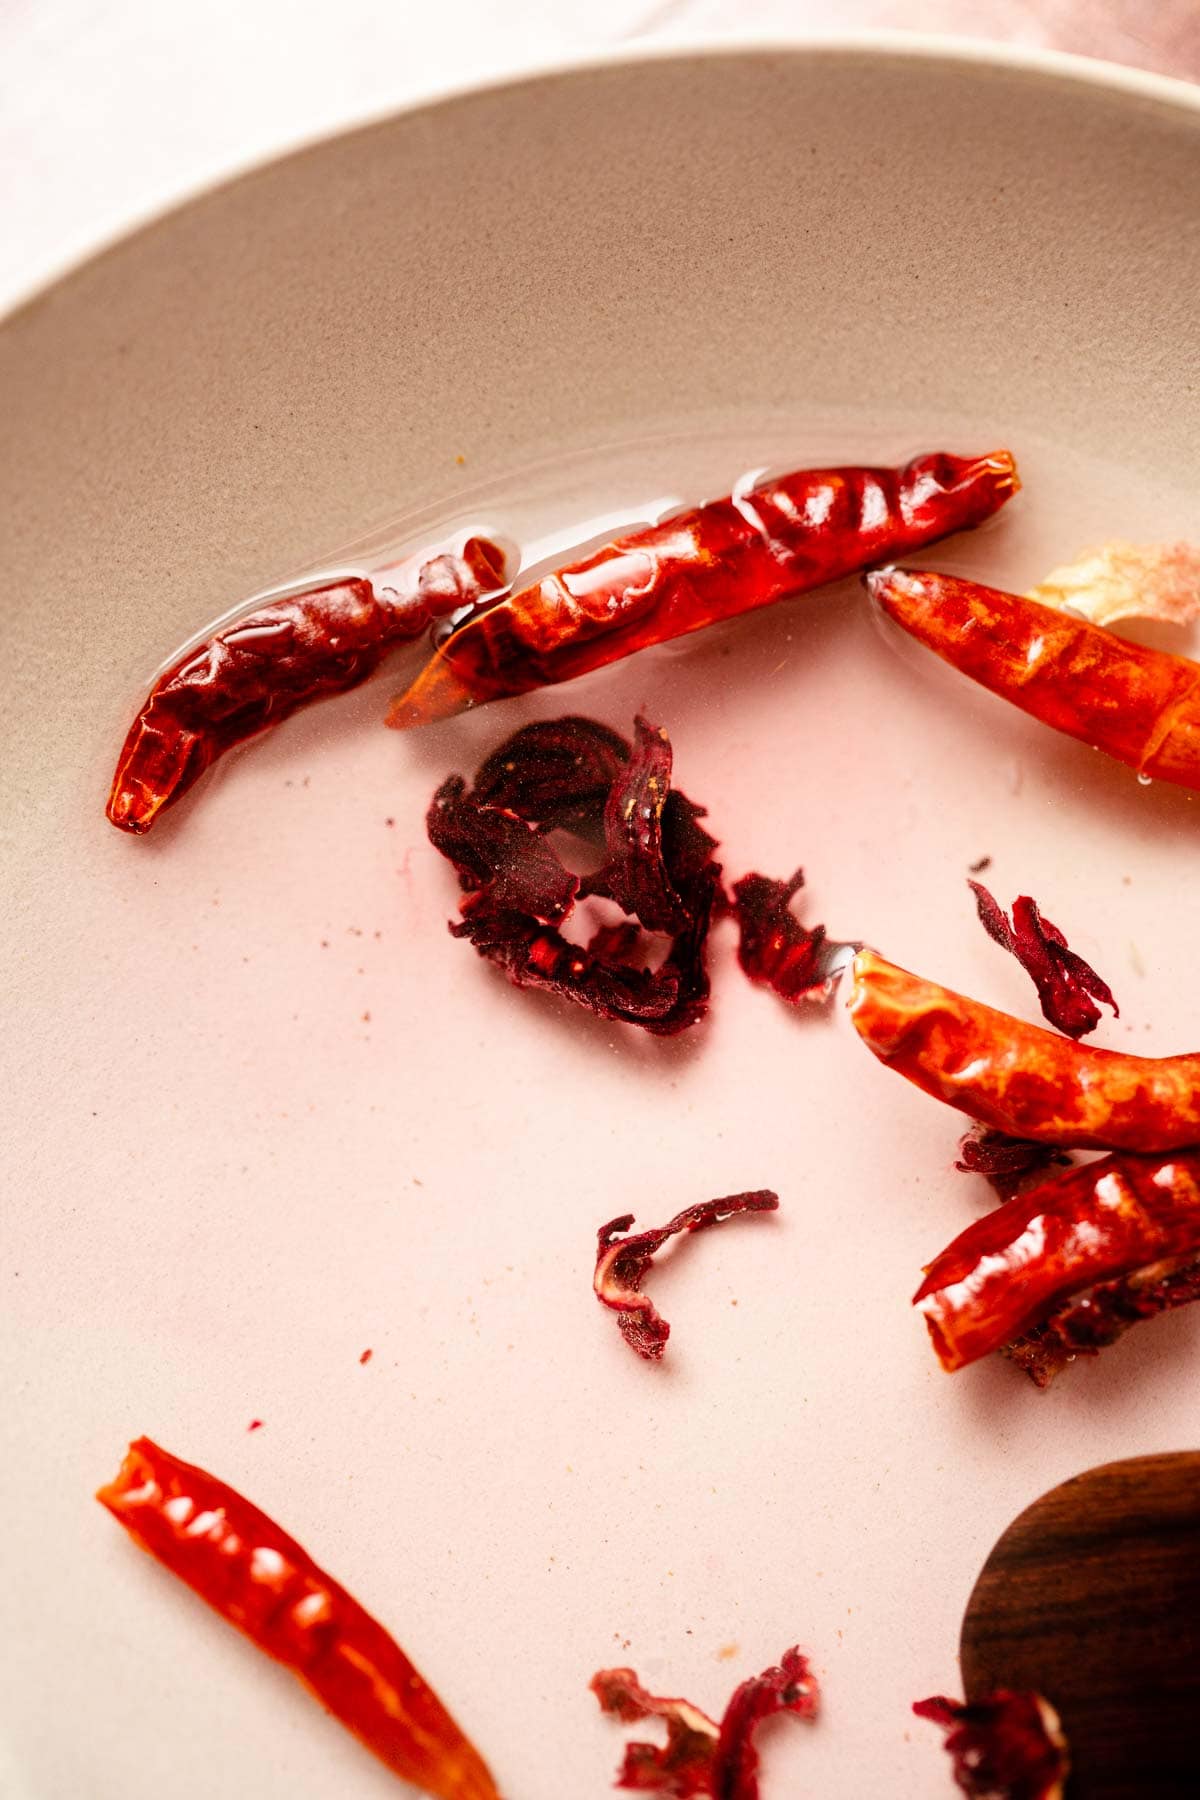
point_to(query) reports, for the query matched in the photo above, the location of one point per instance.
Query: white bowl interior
(264, 1113)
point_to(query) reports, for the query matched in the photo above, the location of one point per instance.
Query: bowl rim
(896, 46)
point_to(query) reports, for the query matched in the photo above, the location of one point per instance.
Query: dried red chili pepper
(1008, 1747)
(622, 1262)
(262, 1581)
(800, 962)
(1068, 987)
(659, 866)
(1139, 705)
(1008, 1163)
(700, 1756)
(281, 656)
(1045, 1254)
(715, 562)
(1019, 1078)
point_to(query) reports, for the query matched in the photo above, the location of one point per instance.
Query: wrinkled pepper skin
(262, 1581)
(1011, 1269)
(1139, 705)
(1019, 1078)
(715, 562)
(267, 664)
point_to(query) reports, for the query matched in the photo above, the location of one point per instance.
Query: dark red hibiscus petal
(700, 1757)
(622, 1263)
(790, 1687)
(556, 773)
(497, 855)
(1007, 1747)
(636, 873)
(687, 847)
(533, 955)
(681, 1767)
(1008, 1163)
(572, 773)
(774, 948)
(1068, 987)
(1085, 1324)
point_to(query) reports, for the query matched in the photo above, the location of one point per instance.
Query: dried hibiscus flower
(774, 948)
(680, 1767)
(575, 774)
(1009, 1746)
(1068, 987)
(700, 1756)
(1087, 1323)
(622, 1262)
(652, 838)
(1008, 1163)
(557, 772)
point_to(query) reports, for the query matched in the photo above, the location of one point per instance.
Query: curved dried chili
(1139, 705)
(731, 556)
(265, 1583)
(1019, 1078)
(1048, 1258)
(282, 655)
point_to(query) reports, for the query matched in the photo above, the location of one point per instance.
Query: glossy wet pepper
(1139, 705)
(1019, 1078)
(1009, 1272)
(262, 1581)
(729, 557)
(280, 656)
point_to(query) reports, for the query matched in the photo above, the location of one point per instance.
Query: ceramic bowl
(263, 1113)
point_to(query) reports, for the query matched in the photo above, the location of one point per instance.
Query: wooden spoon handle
(1092, 1597)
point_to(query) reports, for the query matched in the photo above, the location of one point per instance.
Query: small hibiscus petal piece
(1009, 1746)
(1006, 1161)
(789, 1687)
(1068, 987)
(774, 948)
(498, 856)
(699, 1756)
(1127, 581)
(622, 1263)
(636, 875)
(682, 1766)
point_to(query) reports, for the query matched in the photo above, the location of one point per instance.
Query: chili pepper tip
(132, 808)
(437, 693)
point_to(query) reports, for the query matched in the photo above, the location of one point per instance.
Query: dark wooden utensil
(1092, 1597)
